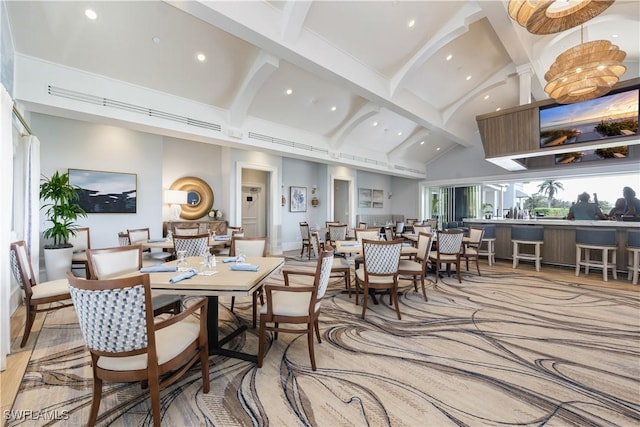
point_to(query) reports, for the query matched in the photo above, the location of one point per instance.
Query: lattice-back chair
(138, 349)
(418, 267)
(287, 305)
(368, 234)
(341, 267)
(449, 251)
(249, 247)
(379, 270)
(306, 240)
(109, 263)
(35, 294)
(417, 229)
(195, 245)
(337, 232)
(142, 235)
(81, 242)
(471, 248)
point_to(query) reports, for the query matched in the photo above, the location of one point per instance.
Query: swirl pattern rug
(504, 349)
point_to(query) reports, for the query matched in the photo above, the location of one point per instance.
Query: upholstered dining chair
(471, 248)
(368, 234)
(417, 229)
(379, 270)
(340, 268)
(399, 229)
(250, 247)
(108, 263)
(287, 305)
(123, 238)
(418, 267)
(195, 245)
(81, 242)
(336, 232)
(38, 297)
(187, 230)
(306, 239)
(362, 225)
(449, 251)
(141, 235)
(140, 349)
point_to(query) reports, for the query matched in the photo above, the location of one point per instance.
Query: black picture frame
(105, 192)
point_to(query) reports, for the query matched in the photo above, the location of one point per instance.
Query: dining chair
(340, 267)
(195, 245)
(186, 230)
(379, 270)
(108, 263)
(250, 247)
(142, 235)
(471, 247)
(399, 229)
(369, 234)
(418, 267)
(306, 239)
(362, 225)
(295, 305)
(417, 229)
(81, 242)
(449, 251)
(388, 233)
(123, 238)
(138, 349)
(336, 232)
(38, 297)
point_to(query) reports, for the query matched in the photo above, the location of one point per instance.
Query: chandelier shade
(551, 16)
(586, 71)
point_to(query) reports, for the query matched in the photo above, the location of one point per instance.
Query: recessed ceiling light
(375, 124)
(421, 142)
(498, 109)
(449, 57)
(615, 36)
(438, 149)
(289, 91)
(334, 108)
(468, 78)
(201, 57)
(91, 14)
(412, 23)
(156, 39)
(486, 97)
(399, 133)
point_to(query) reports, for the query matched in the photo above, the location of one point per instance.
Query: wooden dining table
(223, 282)
(168, 243)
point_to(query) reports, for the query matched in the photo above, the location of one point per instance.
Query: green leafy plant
(60, 209)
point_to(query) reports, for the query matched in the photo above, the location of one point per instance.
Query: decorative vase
(57, 262)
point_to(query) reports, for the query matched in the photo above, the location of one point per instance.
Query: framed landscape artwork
(297, 199)
(364, 197)
(105, 192)
(378, 198)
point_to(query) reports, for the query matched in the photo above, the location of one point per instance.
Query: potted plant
(487, 209)
(61, 211)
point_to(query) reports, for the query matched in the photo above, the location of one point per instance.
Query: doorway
(254, 209)
(341, 201)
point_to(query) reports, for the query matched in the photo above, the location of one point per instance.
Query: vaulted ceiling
(362, 78)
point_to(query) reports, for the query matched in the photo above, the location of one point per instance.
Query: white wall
(406, 197)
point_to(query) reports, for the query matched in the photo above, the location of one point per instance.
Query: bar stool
(490, 239)
(527, 235)
(633, 247)
(600, 240)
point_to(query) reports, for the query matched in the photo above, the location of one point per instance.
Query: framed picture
(297, 199)
(105, 192)
(378, 198)
(364, 197)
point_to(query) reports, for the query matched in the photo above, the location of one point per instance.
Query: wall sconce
(390, 195)
(283, 200)
(314, 199)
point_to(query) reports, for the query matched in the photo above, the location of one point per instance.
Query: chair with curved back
(340, 268)
(81, 242)
(379, 270)
(417, 268)
(141, 235)
(399, 229)
(295, 305)
(186, 230)
(108, 263)
(195, 245)
(138, 349)
(250, 247)
(306, 239)
(36, 295)
(336, 232)
(368, 234)
(123, 238)
(471, 248)
(449, 251)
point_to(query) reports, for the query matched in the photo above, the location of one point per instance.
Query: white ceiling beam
(293, 18)
(396, 153)
(368, 110)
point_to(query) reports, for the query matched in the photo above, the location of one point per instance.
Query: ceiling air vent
(112, 103)
(416, 171)
(287, 143)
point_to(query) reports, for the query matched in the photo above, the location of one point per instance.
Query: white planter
(57, 262)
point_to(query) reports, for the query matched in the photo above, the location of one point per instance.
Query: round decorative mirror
(199, 197)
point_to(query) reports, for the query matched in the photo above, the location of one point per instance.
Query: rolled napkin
(185, 275)
(351, 244)
(232, 259)
(244, 267)
(412, 234)
(162, 240)
(158, 268)
(222, 237)
(407, 244)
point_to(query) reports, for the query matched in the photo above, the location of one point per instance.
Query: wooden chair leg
(347, 281)
(394, 293)
(312, 355)
(424, 291)
(365, 298)
(233, 301)
(31, 317)
(261, 339)
(317, 328)
(95, 400)
(254, 309)
(154, 389)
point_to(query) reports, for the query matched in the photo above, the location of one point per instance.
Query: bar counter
(559, 238)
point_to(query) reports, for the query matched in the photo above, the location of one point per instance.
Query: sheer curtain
(6, 200)
(32, 200)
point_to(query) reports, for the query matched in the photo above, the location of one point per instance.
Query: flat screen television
(611, 116)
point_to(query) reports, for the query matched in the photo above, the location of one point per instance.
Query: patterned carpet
(504, 349)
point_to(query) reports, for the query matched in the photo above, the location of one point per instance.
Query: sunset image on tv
(609, 116)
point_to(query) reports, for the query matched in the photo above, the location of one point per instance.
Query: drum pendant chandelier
(582, 72)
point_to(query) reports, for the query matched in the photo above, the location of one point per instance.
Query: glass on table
(183, 265)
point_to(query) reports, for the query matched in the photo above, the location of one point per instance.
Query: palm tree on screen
(550, 187)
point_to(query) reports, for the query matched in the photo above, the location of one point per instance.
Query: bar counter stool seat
(633, 247)
(589, 239)
(489, 239)
(527, 235)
